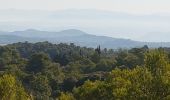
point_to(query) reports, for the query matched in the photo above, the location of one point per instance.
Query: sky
(132, 19)
(130, 6)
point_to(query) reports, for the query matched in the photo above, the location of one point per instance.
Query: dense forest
(45, 71)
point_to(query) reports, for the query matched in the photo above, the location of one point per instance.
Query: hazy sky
(130, 6)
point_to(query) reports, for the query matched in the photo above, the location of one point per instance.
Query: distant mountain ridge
(73, 36)
(111, 23)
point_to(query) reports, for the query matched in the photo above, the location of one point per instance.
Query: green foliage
(87, 91)
(54, 72)
(95, 57)
(38, 62)
(120, 84)
(105, 65)
(156, 61)
(40, 86)
(66, 96)
(69, 72)
(11, 89)
(128, 59)
(9, 57)
(69, 83)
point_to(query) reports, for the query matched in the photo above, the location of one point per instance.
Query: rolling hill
(73, 36)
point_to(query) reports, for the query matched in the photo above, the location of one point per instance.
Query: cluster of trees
(45, 71)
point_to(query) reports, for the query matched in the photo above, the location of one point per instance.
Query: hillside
(73, 36)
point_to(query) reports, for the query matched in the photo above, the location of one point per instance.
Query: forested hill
(46, 71)
(73, 36)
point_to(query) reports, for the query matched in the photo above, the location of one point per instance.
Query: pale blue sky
(130, 6)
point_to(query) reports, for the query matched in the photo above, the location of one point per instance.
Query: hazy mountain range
(73, 36)
(97, 22)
